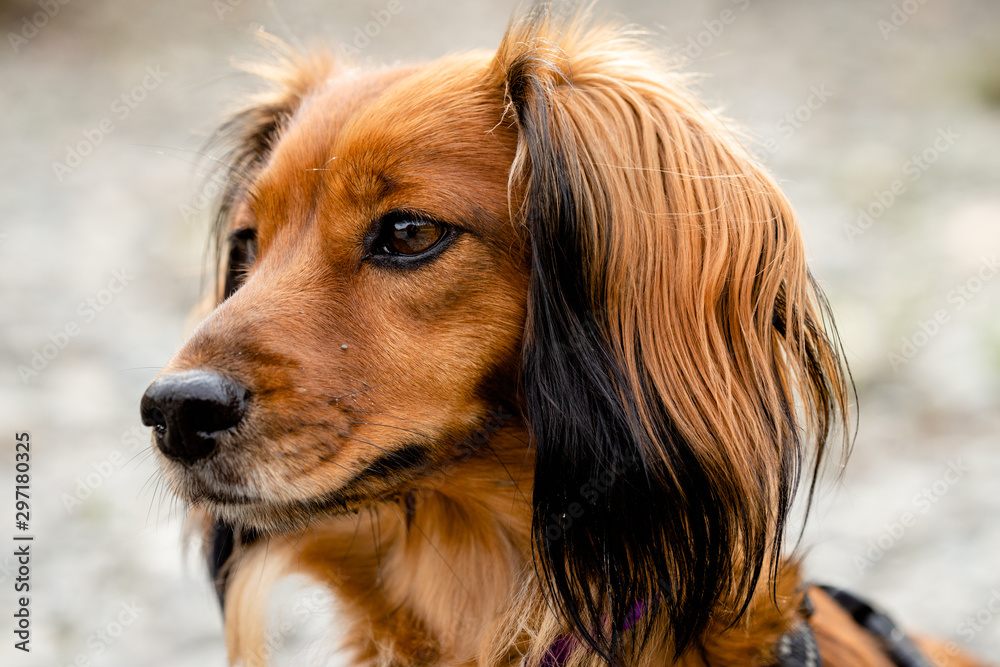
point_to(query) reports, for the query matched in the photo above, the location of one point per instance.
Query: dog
(518, 353)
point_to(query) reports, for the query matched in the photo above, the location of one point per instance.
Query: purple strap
(558, 653)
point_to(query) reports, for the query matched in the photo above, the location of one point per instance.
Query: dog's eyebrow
(371, 178)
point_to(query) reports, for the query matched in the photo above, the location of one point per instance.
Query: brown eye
(407, 239)
(412, 237)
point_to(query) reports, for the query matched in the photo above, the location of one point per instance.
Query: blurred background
(881, 118)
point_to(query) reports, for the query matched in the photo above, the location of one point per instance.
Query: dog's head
(374, 295)
(559, 228)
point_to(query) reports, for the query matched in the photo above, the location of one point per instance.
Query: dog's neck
(432, 572)
(443, 573)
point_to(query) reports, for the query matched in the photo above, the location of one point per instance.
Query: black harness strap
(897, 646)
(798, 646)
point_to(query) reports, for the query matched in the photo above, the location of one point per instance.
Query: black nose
(189, 410)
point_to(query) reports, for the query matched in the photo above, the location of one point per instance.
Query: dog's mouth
(249, 502)
(268, 517)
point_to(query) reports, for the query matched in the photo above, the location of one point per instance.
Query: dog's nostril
(189, 410)
(156, 419)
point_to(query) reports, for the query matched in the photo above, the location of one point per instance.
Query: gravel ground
(881, 119)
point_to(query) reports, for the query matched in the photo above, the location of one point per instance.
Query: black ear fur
(248, 137)
(622, 538)
(604, 516)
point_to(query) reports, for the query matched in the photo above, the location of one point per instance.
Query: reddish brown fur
(437, 568)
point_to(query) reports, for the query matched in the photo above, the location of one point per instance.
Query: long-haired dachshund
(519, 354)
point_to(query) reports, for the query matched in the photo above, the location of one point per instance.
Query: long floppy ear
(675, 352)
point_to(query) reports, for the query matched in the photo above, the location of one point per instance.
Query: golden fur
(697, 281)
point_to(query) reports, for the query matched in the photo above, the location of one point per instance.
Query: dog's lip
(219, 496)
(214, 497)
(222, 498)
(260, 509)
(278, 517)
(318, 504)
(198, 489)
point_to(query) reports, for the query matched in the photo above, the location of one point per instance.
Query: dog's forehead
(309, 137)
(427, 137)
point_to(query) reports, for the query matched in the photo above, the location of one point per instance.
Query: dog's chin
(246, 507)
(269, 517)
(228, 494)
